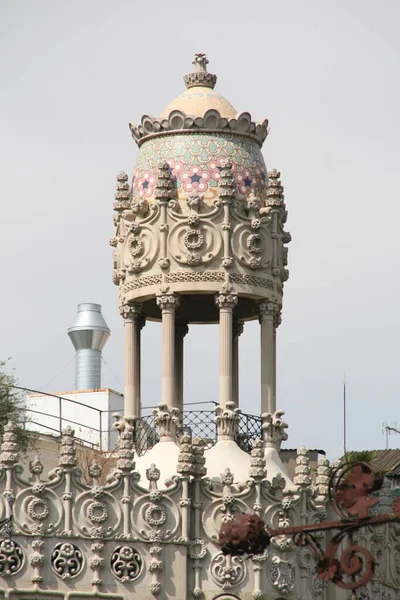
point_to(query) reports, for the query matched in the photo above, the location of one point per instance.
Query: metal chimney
(89, 334)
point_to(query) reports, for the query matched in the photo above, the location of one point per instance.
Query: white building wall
(89, 412)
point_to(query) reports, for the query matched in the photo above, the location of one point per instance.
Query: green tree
(11, 409)
(366, 456)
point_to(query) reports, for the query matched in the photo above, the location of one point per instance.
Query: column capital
(131, 312)
(237, 328)
(270, 309)
(167, 420)
(168, 302)
(226, 301)
(227, 420)
(273, 428)
(181, 329)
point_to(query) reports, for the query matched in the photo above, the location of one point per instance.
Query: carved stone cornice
(226, 301)
(167, 420)
(212, 121)
(273, 428)
(227, 420)
(167, 302)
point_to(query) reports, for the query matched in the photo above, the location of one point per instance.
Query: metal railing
(200, 422)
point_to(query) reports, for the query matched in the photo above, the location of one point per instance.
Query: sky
(326, 75)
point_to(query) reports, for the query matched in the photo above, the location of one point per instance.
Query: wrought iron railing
(200, 421)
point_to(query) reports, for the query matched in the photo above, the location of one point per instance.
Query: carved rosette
(97, 562)
(186, 459)
(9, 448)
(155, 566)
(199, 459)
(302, 471)
(273, 428)
(164, 185)
(257, 464)
(125, 453)
(166, 420)
(67, 458)
(122, 194)
(227, 420)
(322, 480)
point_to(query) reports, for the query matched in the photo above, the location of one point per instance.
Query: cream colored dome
(196, 100)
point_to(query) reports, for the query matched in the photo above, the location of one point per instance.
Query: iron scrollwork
(350, 490)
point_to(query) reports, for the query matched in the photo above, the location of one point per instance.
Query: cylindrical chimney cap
(89, 330)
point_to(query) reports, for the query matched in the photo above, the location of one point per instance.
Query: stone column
(133, 323)
(237, 332)
(181, 330)
(168, 304)
(268, 314)
(226, 303)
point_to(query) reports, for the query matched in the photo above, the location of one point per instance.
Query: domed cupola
(194, 134)
(200, 239)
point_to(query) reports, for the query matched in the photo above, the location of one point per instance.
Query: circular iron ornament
(66, 560)
(126, 563)
(97, 512)
(354, 569)
(193, 239)
(11, 558)
(155, 515)
(350, 489)
(39, 515)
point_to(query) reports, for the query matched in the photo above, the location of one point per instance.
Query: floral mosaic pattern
(196, 160)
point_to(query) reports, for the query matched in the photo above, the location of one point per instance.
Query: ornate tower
(200, 239)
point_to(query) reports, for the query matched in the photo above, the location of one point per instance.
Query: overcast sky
(325, 74)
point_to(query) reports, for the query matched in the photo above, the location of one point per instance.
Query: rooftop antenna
(388, 429)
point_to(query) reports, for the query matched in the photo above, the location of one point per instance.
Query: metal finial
(200, 75)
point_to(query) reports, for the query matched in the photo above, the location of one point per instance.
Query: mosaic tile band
(195, 162)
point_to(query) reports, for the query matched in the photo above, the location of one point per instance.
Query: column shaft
(181, 329)
(168, 305)
(133, 323)
(237, 331)
(268, 357)
(226, 304)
